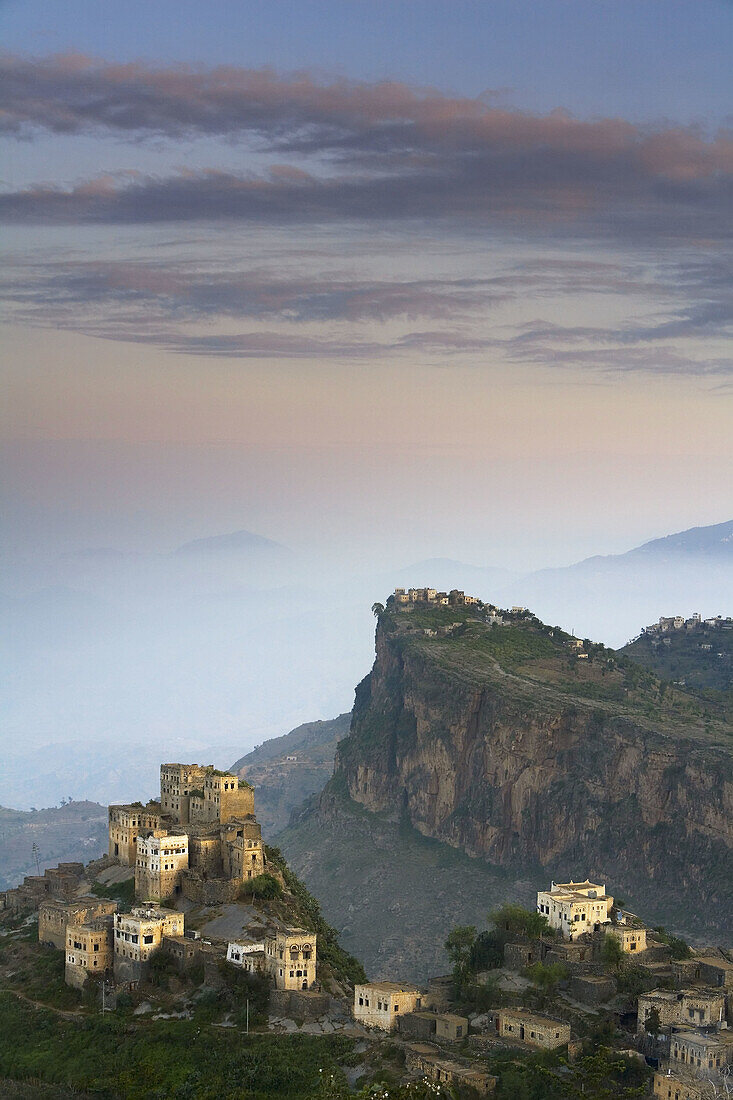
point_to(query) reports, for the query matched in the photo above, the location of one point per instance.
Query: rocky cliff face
(507, 747)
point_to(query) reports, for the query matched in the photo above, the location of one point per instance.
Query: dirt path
(75, 1015)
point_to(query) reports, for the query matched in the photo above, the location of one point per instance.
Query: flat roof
(389, 987)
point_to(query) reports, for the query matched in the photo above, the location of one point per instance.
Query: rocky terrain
(502, 743)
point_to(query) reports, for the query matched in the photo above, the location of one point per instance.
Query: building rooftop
(698, 994)
(391, 987)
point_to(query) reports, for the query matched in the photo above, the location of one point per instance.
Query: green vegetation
(518, 921)
(599, 1074)
(303, 908)
(459, 949)
(115, 1056)
(680, 949)
(124, 892)
(41, 978)
(264, 886)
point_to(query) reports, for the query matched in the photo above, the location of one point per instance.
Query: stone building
(575, 908)
(177, 781)
(249, 955)
(429, 1062)
(290, 956)
(55, 882)
(632, 940)
(451, 1028)
(684, 1007)
(221, 797)
(529, 1027)
(379, 1004)
(417, 1025)
(673, 1086)
(128, 822)
(711, 970)
(55, 916)
(709, 1051)
(137, 935)
(89, 951)
(161, 858)
(242, 851)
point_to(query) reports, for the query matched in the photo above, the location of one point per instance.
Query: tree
(612, 953)
(519, 921)
(377, 609)
(652, 1023)
(547, 976)
(459, 947)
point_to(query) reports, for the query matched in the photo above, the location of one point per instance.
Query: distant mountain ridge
(717, 539)
(287, 770)
(232, 542)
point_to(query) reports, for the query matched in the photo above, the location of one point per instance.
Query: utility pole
(34, 850)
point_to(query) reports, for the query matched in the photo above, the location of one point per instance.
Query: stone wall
(209, 891)
(295, 1005)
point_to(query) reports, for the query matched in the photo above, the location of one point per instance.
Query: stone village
(201, 842)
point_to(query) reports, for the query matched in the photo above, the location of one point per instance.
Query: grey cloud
(395, 153)
(189, 294)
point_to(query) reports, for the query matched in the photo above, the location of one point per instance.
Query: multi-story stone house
(137, 935)
(574, 908)
(290, 956)
(681, 1007)
(161, 860)
(56, 916)
(709, 1051)
(177, 781)
(126, 824)
(89, 951)
(632, 940)
(674, 1086)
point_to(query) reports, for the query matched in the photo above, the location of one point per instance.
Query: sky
(375, 278)
(379, 281)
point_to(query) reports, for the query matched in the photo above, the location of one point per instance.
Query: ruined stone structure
(518, 1024)
(56, 916)
(137, 935)
(161, 860)
(89, 951)
(429, 1062)
(55, 882)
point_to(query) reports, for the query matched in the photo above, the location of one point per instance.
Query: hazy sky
(396, 278)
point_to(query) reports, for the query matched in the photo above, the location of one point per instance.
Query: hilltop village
(190, 912)
(200, 845)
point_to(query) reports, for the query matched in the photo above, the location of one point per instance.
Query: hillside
(504, 744)
(608, 595)
(74, 832)
(700, 660)
(286, 770)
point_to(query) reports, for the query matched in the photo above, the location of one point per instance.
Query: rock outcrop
(496, 743)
